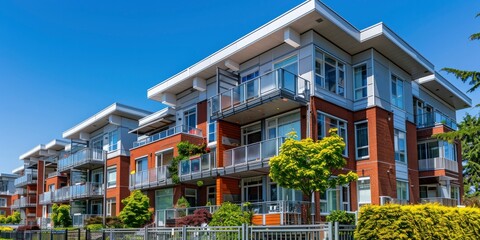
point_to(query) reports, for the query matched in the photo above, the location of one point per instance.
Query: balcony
(451, 202)
(78, 220)
(85, 158)
(432, 119)
(28, 178)
(56, 174)
(150, 178)
(167, 133)
(24, 202)
(87, 190)
(275, 92)
(46, 198)
(199, 167)
(438, 163)
(250, 157)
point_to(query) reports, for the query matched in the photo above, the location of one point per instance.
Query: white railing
(437, 163)
(28, 178)
(278, 79)
(198, 165)
(46, 197)
(167, 133)
(254, 152)
(90, 189)
(83, 156)
(151, 177)
(23, 202)
(442, 200)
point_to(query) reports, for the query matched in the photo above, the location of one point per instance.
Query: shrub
(94, 227)
(342, 217)
(199, 217)
(113, 222)
(3, 219)
(230, 214)
(6, 229)
(61, 216)
(8, 219)
(429, 221)
(182, 203)
(136, 212)
(28, 228)
(94, 220)
(16, 217)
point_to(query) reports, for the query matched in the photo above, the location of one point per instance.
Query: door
(97, 147)
(141, 170)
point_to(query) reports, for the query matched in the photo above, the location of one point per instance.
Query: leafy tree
(341, 216)
(467, 134)
(182, 202)
(136, 212)
(61, 216)
(308, 165)
(473, 77)
(230, 214)
(16, 217)
(199, 217)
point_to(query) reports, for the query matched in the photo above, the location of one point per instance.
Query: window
(253, 190)
(428, 192)
(400, 146)
(211, 195)
(3, 202)
(3, 212)
(455, 192)
(142, 164)
(450, 151)
(191, 196)
(364, 196)
(361, 139)
(402, 190)
(360, 81)
(111, 177)
(326, 122)
(51, 187)
(190, 117)
(329, 74)
(281, 126)
(335, 199)
(251, 133)
(111, 207)
(435, 149)
(212, 128)
(423, 114)
(113, 140)
(249, 76)
(397, 91)
(97, 207)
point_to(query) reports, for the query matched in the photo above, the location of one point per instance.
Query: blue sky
(62, 61)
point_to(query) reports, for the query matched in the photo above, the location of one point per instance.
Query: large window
(361, 140)
(3, 202)
(211, 195)
(282, 125)
(400, 146)
(253, 190)
(455, 192)
(326, 122)
(190, 118)
(212, 134)
(364, 193)
(435, 149)
(113, 140)
(335, 199)
(360, 81)
(111, 207)
(112, 177)
(191, 196)
(329, 74)
(142, 164)
(397, 91)
(402, 190)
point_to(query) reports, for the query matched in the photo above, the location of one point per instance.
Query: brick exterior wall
(120, 191)
(412, 156)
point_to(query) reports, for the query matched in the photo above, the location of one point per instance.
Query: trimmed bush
(199, 217)
(94, 227)
(6, 229)
(428, 221)
(230, 214)
(341, 217)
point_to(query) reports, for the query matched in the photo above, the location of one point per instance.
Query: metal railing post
(184, 233)
(145, 235)
(66, 234)
(330, 231)
(79, 233)
(336, 231)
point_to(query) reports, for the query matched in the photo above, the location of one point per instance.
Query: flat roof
(302, 18)
(42, 150)
(97, 120)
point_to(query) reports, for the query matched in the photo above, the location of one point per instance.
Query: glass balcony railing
(435, 118)
(82, 157)
(150, 178)
(167, 133)
(437, 163)
(278, 79)
(27, 178)
(90, 189)
(24, 202)
(252, 153)
(46, 197)
(197, 167)
(452, 202)
(78, 220)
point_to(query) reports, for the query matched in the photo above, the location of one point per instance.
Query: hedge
(427, 221)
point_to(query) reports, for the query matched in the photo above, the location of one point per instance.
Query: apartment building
(307, 71)
(89, 168)
(7, 190)
(25, 198)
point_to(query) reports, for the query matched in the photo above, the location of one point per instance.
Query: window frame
(394, 98)
(111, 170)
(338, 119)
(187, 113)
(407, 196)
(359, 203)
(356, 141)
(114, 146)
(355, 89)
(337, 72)
(396, 145)
(5, 201)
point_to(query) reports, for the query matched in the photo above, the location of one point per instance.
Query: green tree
(308, 165)
(472, 77)
(467, 134)
(136, 212)
(61, 215)
(230, 214)
(16, 217)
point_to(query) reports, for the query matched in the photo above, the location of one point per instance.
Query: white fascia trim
(34, 150)
(56, 142)
(18, 170)
(116, 107)
(274, 25)
(446, 84)
(159, 114)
